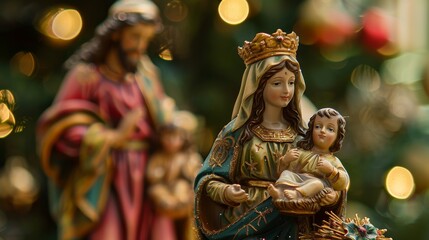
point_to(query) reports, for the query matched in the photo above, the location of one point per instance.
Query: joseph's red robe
(98, 191)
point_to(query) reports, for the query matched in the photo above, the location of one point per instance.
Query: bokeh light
(365, 78)
(24, 62)
(406, 68)
(334, 56)
(7, 120)
(18, 184)
(233, 11)
(176, 11)
(67, 24)
(389, 49)
(400, 183)
(7, 98)
(62, 24)
(325, 23)
(166, 55)
(376, 28)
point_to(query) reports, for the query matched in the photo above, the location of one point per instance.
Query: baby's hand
(285, 160)
(324, 166)
(291, 155)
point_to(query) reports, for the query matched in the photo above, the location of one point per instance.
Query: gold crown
(265, 45)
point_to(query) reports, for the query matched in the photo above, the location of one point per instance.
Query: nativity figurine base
(345, 229)
(302, 205)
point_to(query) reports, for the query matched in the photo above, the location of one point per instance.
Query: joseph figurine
(95, 139)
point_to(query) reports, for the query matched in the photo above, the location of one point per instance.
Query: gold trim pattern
(258, 183)
(233, 169)
(220, 151)
(51, 136)
(261, 216)
(273, 135)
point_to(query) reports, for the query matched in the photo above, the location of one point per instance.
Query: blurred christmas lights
(24, 63)
(18, 183)
(61, 24)
(233, 11)
(365, 78)
(166, 55)
(7, 119)
(176, 10)
(400, 183)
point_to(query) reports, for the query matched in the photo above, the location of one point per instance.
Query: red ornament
(376, 28)
(338, 30)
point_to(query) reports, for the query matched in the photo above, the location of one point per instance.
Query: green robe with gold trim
(252, 166)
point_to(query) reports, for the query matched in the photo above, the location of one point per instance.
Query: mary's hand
(235, 194)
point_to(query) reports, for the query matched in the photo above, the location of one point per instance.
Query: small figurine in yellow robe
(170, 173)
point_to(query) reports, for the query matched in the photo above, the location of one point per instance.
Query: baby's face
(172, 142)
(325, 131)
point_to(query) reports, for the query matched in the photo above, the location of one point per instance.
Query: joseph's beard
(126, 63)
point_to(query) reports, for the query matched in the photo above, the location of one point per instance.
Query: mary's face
(133, 42)
(280, 89)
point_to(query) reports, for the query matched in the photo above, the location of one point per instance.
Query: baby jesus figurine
(312, 174)
(171, 172)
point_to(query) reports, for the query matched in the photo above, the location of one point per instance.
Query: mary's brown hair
(290, 113)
